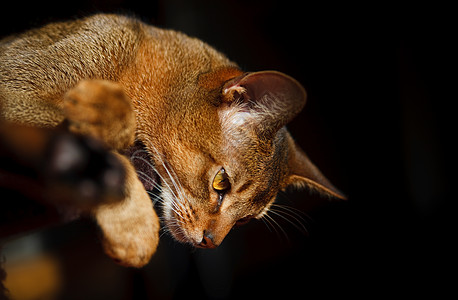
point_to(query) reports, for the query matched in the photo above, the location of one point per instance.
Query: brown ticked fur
(195, 111)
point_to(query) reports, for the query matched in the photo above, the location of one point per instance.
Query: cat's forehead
(259, 160)
(214, 79)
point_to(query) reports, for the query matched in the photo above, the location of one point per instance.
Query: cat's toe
(134, 249)
(100, 108)
(134, 255)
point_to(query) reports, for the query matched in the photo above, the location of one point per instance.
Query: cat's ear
(267, 99)
(303, 173)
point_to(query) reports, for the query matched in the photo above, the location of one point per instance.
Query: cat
(213, 134)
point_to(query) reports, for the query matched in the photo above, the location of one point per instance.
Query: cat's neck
(161, 88)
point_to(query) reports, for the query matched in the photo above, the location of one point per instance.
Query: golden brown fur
(195, 111)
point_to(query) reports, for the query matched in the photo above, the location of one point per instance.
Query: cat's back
(109, 33)
(39, 66)
(57, 55)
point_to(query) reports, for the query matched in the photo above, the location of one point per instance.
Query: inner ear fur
(271, 97)
(303, 173)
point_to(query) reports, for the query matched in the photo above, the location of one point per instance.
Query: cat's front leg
(131, 227)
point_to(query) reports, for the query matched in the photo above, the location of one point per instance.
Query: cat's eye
(221, 182)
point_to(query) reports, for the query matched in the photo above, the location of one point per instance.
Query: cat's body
(215, 134)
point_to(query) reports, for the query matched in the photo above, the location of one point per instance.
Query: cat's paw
(80, 172)
(131, 242)
(130, 228)
(101, 109)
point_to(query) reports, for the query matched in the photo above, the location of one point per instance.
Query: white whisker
(145, 176)
(172, 195)
(178, 188)
(164, 232)
(174, 205)
(278, 225)
(143, 159)
(299, 227)
(156, 198)
(298, 213)
(267, 223)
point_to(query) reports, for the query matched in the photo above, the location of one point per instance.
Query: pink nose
(207, 241)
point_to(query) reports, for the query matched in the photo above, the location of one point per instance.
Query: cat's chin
(178, 233)
(181, 235)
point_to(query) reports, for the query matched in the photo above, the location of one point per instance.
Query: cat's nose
(207, 241)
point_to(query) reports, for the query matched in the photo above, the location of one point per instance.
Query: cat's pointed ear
(268, 99)
(303, 173)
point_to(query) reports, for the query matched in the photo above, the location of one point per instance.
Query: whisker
(176, 184)
(297, 212)
(143, 159)
(167, 229)
(267, 223)
(177, 212)
(172, 204)
(299, 227)
(164, 232)
(172, 197)
(156, 198)
(145, 176)
(139, 151)
(178, 201)
(160, 187)
(279, 227)
(172, 179)
(174, 207)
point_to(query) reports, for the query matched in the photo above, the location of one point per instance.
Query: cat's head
(229, 153)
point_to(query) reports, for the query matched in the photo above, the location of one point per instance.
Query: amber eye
(221, 181)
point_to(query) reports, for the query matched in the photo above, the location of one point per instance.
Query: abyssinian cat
(214, 135)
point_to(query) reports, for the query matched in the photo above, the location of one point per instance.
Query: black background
(378, 122)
